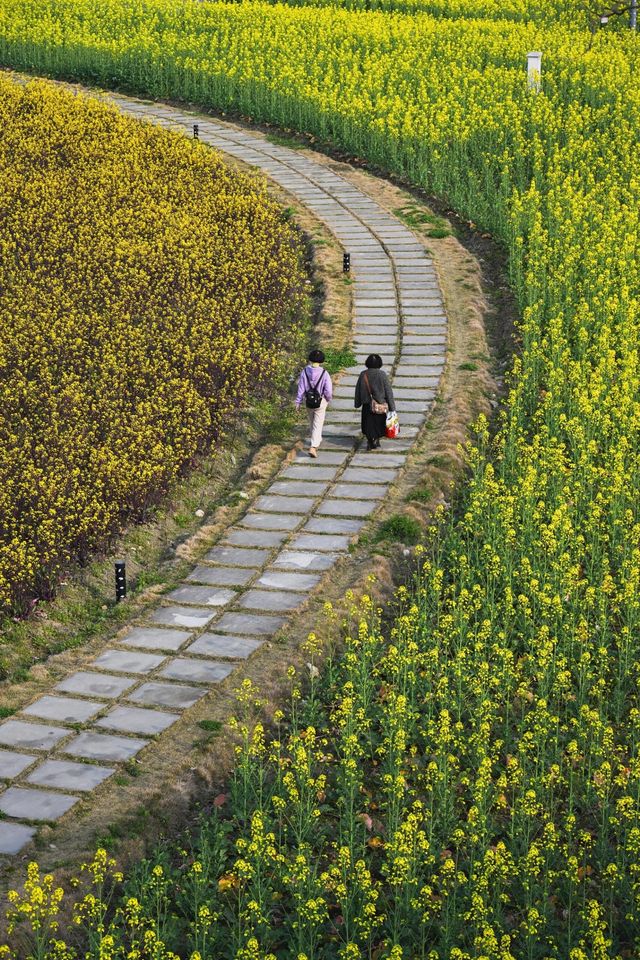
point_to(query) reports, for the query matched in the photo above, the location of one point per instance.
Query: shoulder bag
(375, 406)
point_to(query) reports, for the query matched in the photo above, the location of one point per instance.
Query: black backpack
(312, 395)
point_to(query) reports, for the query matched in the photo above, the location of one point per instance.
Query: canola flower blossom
(466, 782)
(145, 292)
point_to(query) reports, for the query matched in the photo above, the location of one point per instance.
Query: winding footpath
(65, 744)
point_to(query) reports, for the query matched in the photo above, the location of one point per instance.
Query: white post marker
(534, 71)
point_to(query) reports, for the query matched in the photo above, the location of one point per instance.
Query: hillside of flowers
(465, 783)
(145, 291)
(581, 12)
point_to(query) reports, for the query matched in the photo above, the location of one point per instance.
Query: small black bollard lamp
(346, 262)
(196, 131)
(121, 581)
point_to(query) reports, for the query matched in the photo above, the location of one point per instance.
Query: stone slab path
(65, 744)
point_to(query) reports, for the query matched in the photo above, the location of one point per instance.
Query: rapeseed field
(466, 783)
(145, 291)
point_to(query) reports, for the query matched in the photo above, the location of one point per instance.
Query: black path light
(121, 580)
(196, 131)
(346, 262)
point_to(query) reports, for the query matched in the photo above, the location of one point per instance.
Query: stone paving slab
(12, 764)
(306, 560)
(416, 339)
(250, 623)
(428, 361)
(340, 525)
(338, 435)
(279, 504)
(296, 488)
(335, 440)
(35, 804)
(370, 474)
(414, 369)
(347, 508)
(429, 323)
(128, 661)
(421, 311)
(360, 491)
(365, 303)
(197, 671)
(137, 720)
(415, 406)
(208, 596)
(381, 460)
(223, 645)
(423, 357)
(378, 311)
(30, 736)
(181, 617)
(342, 416)
(272, 600)
(155, 638)
(67, 775)
(414, 419)
(366, 323)
(366, 328)
(64, 709)
(95, 685)
(270, 521)
(309, 471)
(319, 541)
(243, 537)
(223, 576)
(238, 557)
(428, 380)
(328, 458)
(176, 695)
(13, 837)
(409, 303)
(429, 343)
(278, 580)
(104, 746)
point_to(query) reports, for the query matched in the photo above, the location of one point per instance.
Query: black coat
(380, 388)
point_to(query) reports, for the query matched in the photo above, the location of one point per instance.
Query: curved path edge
(65, 744)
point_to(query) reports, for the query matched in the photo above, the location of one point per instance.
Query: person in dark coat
(373, 383)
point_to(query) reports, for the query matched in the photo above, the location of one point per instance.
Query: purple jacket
(310, 377)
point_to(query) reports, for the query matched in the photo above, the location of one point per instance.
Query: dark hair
(373, 361)
(316, 356)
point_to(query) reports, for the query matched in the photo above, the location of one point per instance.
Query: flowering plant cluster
(425, 796)
(467, 782)
(145, 292)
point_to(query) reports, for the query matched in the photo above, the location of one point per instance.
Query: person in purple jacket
(314, 384)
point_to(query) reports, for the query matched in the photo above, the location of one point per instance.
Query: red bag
(393, 425)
